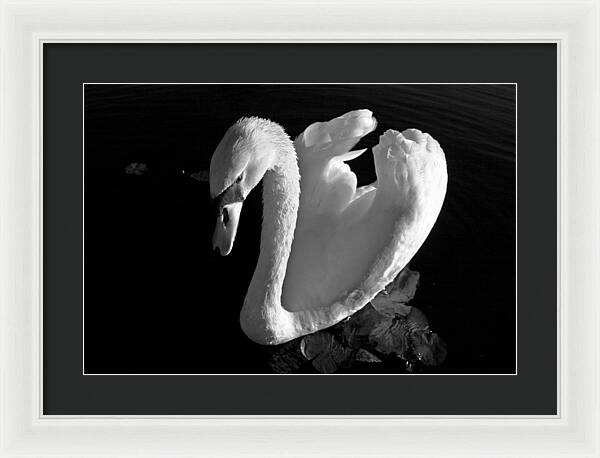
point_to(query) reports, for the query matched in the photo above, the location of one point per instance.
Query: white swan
(326, 247)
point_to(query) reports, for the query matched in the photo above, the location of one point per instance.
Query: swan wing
(328, 183)
(350, 243)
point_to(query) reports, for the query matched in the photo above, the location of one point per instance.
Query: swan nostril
(225, 216)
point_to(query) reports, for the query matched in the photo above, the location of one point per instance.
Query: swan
(326, 247)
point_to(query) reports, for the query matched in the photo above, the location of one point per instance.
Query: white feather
(327, 248)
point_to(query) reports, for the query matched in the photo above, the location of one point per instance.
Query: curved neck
(262, 314)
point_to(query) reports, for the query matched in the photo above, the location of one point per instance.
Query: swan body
(327, 248)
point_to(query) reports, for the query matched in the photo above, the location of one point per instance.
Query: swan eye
(225, 216)
(240, 178)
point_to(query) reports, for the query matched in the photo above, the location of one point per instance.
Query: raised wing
(328, 184)
(350, 243)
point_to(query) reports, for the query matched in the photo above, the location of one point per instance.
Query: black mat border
(532, 392)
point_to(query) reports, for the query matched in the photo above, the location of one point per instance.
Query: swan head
(238, 164)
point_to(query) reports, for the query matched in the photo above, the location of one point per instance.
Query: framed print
(228, 237)
(153, 281)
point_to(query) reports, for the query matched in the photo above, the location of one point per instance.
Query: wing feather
(328, 183)
(349, 243)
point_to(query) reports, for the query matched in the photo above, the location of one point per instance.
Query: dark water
(158, 300)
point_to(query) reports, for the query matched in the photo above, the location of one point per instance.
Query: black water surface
(159, 300)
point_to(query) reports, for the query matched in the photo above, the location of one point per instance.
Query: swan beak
(226, 228)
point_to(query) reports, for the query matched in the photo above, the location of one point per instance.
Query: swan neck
(281, 196)
(280, 208)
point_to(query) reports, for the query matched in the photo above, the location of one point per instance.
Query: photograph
(299, 229)
(359, 229)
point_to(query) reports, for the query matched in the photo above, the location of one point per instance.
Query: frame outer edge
(575, 24)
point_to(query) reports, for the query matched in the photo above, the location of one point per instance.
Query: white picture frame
(573, 25)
